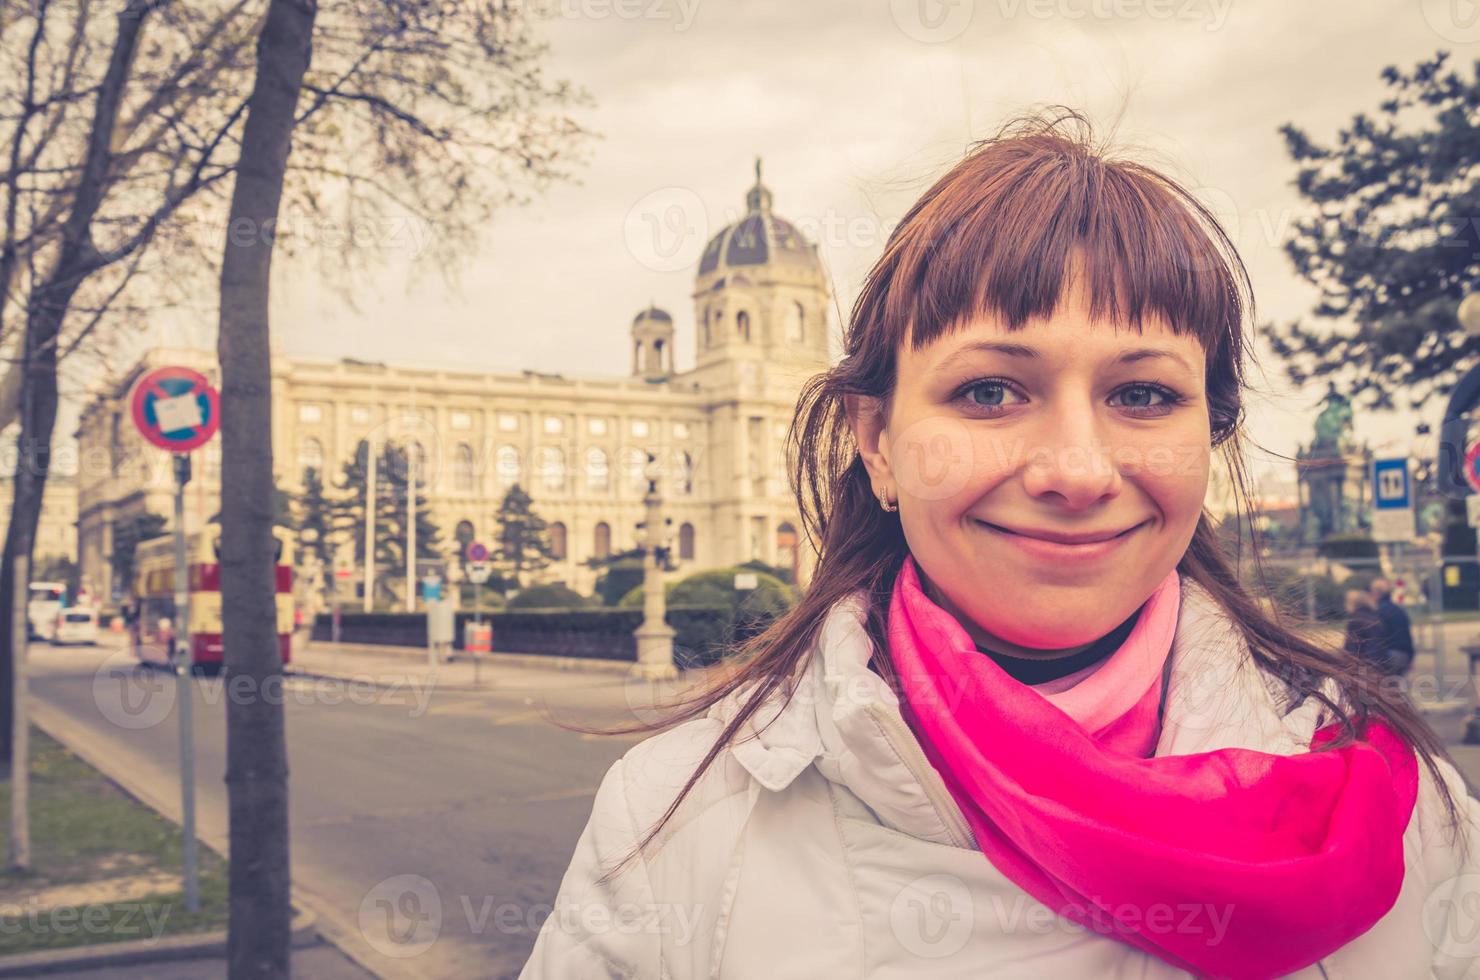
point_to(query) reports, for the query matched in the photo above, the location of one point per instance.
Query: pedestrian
(1025, 720)
(1398, 634)
(1366, 633)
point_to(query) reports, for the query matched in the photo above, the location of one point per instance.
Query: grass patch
(104, 867)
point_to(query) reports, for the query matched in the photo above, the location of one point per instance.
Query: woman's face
(995, 440)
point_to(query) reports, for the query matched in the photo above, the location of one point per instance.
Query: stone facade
(579, 446)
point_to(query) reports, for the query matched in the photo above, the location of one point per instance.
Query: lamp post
(654, 636)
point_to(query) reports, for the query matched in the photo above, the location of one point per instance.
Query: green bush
(749, 612)
(620, 577)
(548, 597)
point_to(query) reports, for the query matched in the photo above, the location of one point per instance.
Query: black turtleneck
(1030, 671)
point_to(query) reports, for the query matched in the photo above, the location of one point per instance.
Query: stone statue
(1333, 425)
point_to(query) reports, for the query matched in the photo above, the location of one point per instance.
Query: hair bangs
(1005, 232)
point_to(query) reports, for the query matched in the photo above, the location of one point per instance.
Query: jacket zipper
(914, 759)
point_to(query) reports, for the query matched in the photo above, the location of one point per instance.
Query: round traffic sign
(476, 551)
(176, 408)
(1472, 465)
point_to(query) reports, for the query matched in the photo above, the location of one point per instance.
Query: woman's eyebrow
(1128, 356)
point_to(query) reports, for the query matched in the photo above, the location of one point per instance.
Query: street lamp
(654, 636)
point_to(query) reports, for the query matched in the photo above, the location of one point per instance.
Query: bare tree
(256, 751)
(420, 121)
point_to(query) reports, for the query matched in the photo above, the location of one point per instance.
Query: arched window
(683, 477)
(552, 469)
(742, 325)
(506, 465)
(707, 315)
(311, 454)
(796, 324)
(601, 540)
(463, 477)
(557, 541)
(598, 471)
(686, 542)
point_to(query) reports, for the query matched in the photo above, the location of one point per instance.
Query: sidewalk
(398, 666)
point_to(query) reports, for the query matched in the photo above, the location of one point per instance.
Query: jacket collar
(844, 718)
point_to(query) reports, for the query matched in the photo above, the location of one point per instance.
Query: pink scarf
(1231, 863)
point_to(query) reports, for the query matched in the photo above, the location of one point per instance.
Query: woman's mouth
(1071, 550)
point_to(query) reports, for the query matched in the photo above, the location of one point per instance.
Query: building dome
(654, 314)
(759, 238)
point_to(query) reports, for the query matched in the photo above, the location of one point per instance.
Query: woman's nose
(1071, 459)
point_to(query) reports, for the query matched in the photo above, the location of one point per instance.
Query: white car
(78, 624)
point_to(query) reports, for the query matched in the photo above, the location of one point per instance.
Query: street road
(429, 827)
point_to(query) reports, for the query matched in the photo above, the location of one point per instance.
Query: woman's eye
(1140, 399)
(985, 394)
(1143, 391)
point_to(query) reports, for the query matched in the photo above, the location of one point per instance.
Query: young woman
(1026, 721)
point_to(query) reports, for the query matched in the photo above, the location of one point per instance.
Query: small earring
(885, 502)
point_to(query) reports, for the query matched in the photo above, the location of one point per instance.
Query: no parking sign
(176, 408)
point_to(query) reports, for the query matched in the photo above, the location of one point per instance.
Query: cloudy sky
(856, 106)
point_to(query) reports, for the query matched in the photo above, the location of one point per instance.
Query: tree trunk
(256, 750)
(44, 316)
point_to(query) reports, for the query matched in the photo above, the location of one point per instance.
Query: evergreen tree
(391, 478)
(316, 521)
(1391, 240)
(523, 536)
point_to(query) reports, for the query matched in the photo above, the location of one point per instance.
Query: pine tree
(348, 511)
(316, 520)
(1391, 240)
(523, 536)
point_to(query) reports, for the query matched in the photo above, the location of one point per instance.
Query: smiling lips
(1059, 545)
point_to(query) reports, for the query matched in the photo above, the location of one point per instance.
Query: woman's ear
(866, 419)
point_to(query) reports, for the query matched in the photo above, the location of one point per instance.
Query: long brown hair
(996, 235)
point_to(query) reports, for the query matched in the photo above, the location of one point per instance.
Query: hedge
(703, 634)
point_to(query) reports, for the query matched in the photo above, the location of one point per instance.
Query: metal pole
(183, 658)
(411, 524)
(371, 452)
(20, 737)
(477, 621)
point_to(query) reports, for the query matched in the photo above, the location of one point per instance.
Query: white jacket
(827, 847)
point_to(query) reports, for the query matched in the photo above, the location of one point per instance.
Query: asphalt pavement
(430, 827)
